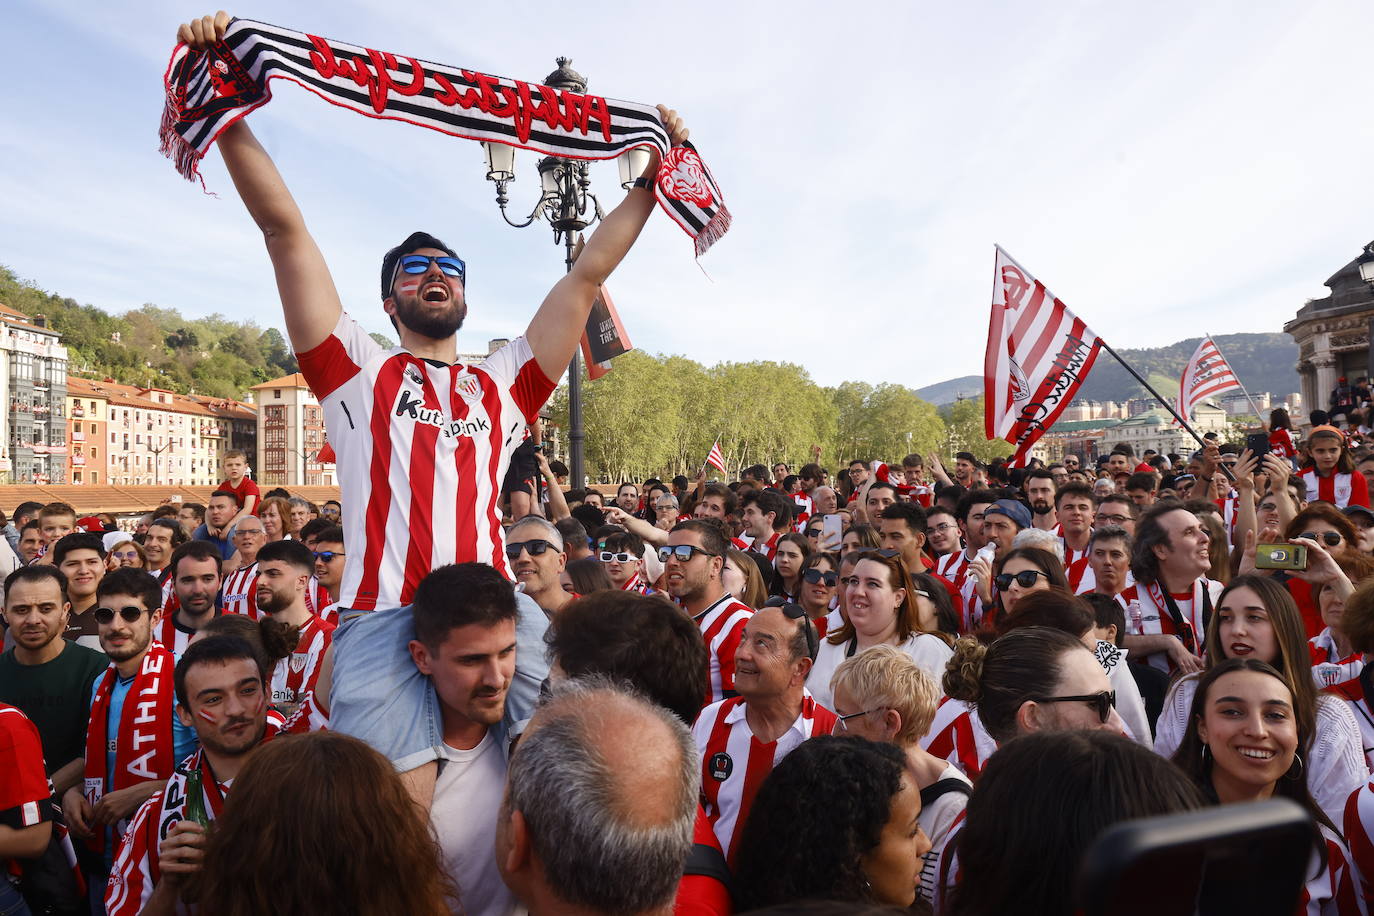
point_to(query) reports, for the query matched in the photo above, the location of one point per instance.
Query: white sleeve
(1129, 706)
(1173, 718)
(1336, 766)
(931, 654)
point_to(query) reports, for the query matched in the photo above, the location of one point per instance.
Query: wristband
(642, 182)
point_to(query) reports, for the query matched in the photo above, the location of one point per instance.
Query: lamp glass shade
(500, 161)
(1367, 271)
(632, 164)
(548, 174)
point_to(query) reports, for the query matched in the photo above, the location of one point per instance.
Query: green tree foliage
(156, 346)
(965, 431)
(658, 416)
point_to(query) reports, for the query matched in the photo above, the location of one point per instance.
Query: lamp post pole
(569, 206)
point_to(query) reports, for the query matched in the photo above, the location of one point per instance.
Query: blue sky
(1166, 169)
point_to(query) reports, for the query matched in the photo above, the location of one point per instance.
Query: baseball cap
(1012, 510)
(1352, 511)
(91, 523)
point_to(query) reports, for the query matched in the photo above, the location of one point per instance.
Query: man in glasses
(195, 571)
(693, 562)
(742, 738)
(1170, 605)
(1117, 510)
(133, 738)
(535, 551)
(248, 536)
(329, 567)
(46, 676)
(622, 555)
(942, 531)
(445, 430)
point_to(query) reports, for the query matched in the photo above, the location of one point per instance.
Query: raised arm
(557, 327)
(309, 300)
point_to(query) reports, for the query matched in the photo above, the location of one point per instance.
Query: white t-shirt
(930, 653)
(467, 801)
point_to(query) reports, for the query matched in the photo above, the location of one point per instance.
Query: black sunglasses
(815, 576)
(534, 548)
(1102, 702)
(1329, 538)
(1025, 578)
(796, 612)
(682, 553)
(106, 615)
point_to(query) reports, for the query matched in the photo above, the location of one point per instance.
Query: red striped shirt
(722, 625)
(425, 447)
(734, 763)
(1339, 489)
(297, 673)
(238, 593)
(956, 734)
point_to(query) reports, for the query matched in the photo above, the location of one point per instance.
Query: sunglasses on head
(1025, 578)
(327, 556)
(814, 576)
(1329, 538)
(130, 614)
(680, 552)
(534, 548)
(1102, 702)
(419, 263)
(607, 556)
(794, 611)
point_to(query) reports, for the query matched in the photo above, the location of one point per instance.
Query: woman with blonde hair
(369, 853)
(882, 695)
(744, 579)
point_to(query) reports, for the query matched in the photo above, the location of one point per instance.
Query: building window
(276, 393)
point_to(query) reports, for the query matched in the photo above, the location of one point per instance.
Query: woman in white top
(882, 695)
(882, 611)
(1256, 618)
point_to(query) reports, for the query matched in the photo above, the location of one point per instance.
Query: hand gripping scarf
(143, 748)
(207, 91)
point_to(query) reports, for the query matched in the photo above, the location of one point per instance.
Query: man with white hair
(557, 853)
(534, 548)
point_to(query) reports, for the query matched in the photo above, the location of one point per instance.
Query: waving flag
(1206, 375)
(716, 459)
(1038, 355)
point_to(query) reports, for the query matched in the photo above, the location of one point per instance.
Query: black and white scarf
(207, 91)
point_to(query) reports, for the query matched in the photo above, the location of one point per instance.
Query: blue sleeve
(184, 740)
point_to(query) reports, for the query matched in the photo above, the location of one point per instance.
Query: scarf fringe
(713, 231)
(173, 146)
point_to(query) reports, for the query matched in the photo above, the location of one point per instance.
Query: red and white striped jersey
(1071, 555)
(173, 636)
(237, 594)
(1076, 571)
(297, 673)
(768, 548)
(316, 596)
(1328, 667)
(1358, 827)
(954, 567)
(734, 763)
(329, 613)
(722, 625)
(1339, 489)
(957, 734)
(425, 449)
(1333, 889)
(802, 511)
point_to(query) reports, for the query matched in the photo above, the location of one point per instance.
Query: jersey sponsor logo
(721, 766)
(407, 405)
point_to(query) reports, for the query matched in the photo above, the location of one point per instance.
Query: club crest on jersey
(721, 766)
(469, 387)
(298, 660)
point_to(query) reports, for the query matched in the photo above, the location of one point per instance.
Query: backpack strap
(944, 787)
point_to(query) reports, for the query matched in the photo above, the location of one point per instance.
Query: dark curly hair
(790, 852)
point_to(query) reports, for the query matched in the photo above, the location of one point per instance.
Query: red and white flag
(716, 459)
(1206, 375)
(1038, 355)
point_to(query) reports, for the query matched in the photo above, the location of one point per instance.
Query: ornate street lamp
(568, 205)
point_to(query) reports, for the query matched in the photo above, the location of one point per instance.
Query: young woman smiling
(881, 611)
(1248, 733)
(1256, 619)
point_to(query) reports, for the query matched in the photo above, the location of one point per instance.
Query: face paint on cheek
(207, 716)
(409, 286)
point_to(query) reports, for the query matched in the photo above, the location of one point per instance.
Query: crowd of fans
(1002, 656)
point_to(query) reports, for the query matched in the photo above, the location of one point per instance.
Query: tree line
(654, 415)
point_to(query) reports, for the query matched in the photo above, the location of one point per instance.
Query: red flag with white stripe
(716, 459)
(1206, 375)
(1038, 355)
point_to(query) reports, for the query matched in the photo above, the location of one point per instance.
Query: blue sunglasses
(419, 263)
